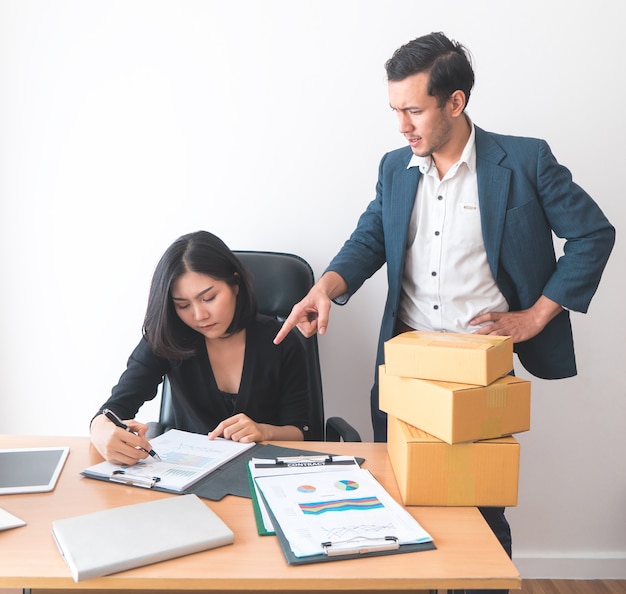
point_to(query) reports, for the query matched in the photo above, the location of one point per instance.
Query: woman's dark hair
(448, 62)
(202, 252)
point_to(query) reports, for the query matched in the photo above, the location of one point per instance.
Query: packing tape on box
(497, 395)
(461, 481)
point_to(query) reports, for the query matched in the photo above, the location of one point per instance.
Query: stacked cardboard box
(452, 408)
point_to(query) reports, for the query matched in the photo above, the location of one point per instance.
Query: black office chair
(280, 281)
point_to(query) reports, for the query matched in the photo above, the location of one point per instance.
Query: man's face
(427, 127)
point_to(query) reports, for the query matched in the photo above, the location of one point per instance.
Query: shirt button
(439, 197)
(435, 307)
(433, 273)
(437, 233)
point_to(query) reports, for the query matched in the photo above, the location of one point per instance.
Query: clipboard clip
(360, 545)
(303, 460)
(313, 460)
(121, 476)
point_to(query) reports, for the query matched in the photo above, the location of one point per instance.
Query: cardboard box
(449, 357)
(432, 472)
(457, 413)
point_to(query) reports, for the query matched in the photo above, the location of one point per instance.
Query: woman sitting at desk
(203, 332)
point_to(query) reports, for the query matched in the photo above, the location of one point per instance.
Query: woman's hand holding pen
(118, 445)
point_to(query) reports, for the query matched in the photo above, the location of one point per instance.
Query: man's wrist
(332, 284)
(546, 309)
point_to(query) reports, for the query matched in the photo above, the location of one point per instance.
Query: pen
(109, 414)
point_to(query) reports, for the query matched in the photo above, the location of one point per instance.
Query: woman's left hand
(240, 427)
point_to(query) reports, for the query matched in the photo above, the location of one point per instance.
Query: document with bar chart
(338, 513)
(185, 459)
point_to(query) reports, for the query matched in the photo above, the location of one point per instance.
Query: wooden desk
(467, 556)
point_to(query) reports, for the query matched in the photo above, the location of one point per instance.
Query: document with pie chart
(338, 512)
(258, 467)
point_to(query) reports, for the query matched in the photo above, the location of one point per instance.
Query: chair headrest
(280, 280)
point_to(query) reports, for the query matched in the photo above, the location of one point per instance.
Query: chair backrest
(280, 281)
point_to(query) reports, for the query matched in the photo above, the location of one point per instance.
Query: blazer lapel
(401, 206)
(493, 189)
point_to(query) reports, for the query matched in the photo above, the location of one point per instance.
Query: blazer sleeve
(589, 237)
(139, 382)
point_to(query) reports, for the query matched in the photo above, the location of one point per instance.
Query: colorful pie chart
(347, 485)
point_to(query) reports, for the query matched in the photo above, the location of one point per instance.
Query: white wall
(125, 124)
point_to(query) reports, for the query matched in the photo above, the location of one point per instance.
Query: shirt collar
(468, 156)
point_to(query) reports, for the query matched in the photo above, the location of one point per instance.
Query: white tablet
(31, 470)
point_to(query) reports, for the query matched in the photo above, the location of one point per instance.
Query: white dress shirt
(447, 279)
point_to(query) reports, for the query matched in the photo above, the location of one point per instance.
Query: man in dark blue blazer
(464, 220)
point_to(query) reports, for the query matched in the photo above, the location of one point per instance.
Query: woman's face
(204, 303)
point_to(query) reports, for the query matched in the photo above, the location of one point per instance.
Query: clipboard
(352, 550)
(185, 459)
(349, 548)
(229, 479)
